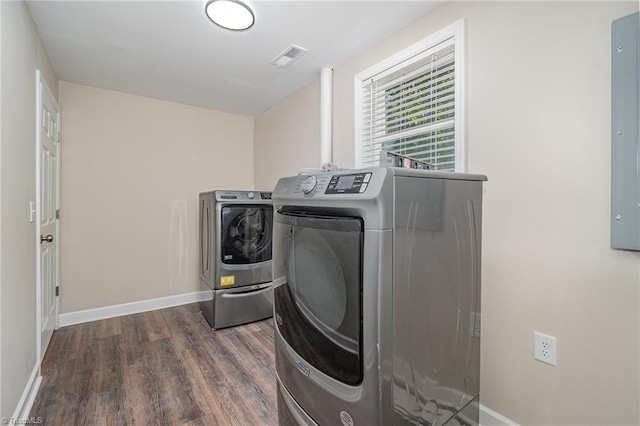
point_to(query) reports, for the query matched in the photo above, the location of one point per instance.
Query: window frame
(455, 31)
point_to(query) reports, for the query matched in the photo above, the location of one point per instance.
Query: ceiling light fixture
(230, 14)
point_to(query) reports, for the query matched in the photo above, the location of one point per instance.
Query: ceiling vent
(289, 56)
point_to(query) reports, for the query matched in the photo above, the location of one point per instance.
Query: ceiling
(170, 50)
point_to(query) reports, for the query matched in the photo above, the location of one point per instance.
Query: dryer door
(319, 302)
(246, 233)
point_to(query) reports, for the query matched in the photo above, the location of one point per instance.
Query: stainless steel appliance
(377, 297)
(236, 229)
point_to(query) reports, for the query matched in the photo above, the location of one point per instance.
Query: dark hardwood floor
(162, 367)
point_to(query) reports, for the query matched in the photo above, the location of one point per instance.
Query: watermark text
(21, 421)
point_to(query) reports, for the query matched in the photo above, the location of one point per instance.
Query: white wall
(287, 137)
(539, 127)
(132, 169)
(21, 52)
(1, 412)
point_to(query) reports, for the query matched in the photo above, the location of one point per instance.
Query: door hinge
(57, 291)
(59, 139)
(57, 213)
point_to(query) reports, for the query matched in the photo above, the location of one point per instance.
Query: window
(412, 103)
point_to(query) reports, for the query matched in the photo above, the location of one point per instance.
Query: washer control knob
(251, 195)
(308, 183)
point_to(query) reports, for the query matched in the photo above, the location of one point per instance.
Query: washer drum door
(246, 234)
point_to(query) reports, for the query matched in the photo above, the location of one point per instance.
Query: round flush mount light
(230, 14)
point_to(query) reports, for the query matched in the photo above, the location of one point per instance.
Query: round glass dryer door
(246, 234)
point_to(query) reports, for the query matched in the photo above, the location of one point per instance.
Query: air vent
(289, 56)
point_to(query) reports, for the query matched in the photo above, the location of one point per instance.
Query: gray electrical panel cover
(625, 133)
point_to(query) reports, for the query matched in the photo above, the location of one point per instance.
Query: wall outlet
(544, 348)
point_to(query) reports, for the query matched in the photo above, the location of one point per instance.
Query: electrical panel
(625, 133)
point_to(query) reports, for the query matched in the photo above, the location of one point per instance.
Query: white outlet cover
(545, 348)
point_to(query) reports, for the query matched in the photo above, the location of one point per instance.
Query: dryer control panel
(348, 184)
(359, 183)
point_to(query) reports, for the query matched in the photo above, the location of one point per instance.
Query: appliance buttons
(251, 195)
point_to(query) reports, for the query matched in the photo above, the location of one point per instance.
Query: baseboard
(28, 396)
(89, 315)
(488, 417)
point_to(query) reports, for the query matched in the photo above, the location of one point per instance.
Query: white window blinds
(409, 109)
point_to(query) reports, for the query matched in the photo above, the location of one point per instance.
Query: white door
(47, 203)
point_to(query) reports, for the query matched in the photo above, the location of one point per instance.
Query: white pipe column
(326, 115)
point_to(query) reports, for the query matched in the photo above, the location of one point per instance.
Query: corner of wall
(290, 129)
(45, 67)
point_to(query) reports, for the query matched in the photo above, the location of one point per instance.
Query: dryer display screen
(348, 184)
(345, 182)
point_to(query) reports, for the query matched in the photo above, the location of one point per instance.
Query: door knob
(48, 238)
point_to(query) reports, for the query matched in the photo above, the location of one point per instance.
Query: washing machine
(235, 256)
(377, 297)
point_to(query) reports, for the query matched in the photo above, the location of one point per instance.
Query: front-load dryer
(377, 297)
(236, 230)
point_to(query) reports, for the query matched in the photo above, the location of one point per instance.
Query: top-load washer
(236, 229)
(377, 297)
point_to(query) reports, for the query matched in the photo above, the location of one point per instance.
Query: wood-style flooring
(165, 367)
